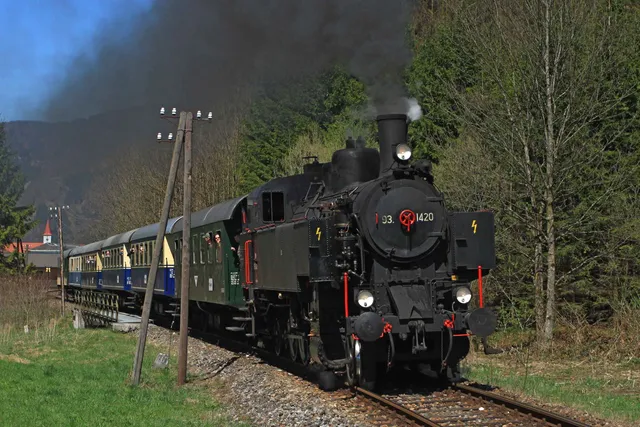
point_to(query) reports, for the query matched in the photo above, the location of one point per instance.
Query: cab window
(273, 206)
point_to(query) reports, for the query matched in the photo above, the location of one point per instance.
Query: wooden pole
(186, 256)
(61, 258)
(164, 217)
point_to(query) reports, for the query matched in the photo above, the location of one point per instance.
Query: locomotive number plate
(420, 217)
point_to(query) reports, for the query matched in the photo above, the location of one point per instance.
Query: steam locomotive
(355, 265)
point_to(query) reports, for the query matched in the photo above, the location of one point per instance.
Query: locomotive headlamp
(365, 299)
(403, 152)
(463, 295)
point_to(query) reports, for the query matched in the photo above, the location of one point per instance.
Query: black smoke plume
(196, 54)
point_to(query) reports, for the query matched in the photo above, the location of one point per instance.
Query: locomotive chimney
(392, 130)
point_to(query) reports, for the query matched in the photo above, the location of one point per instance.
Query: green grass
(81, 378)
(602, 392)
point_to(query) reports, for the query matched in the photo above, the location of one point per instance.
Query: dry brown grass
(27, 301)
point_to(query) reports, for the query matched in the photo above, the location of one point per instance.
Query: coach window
(218, 244)
(273, 206)
(208, 240)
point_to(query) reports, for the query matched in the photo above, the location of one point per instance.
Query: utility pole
(186, 256)
(164, 217)
(186, 250)
(58, 214)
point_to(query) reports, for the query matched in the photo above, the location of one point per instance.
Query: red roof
(47, 230)
(12, 247)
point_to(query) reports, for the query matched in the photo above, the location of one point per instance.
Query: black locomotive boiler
(354, 266)
(357, 265)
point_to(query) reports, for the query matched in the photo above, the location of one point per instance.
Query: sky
(39, 40)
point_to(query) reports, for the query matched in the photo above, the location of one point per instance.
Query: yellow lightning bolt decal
(474, 225)
(318, 233)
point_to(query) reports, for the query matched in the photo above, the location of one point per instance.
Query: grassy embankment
(595, 369)
(58, 376)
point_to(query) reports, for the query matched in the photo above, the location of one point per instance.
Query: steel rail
(413, 416)
(533, 411)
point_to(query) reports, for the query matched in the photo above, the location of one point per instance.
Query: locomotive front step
(235, 328)
(242, 319)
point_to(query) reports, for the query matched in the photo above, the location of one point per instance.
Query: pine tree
(15, 221)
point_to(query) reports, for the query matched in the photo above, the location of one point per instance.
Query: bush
(27, 300)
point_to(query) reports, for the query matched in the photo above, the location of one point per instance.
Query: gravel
(255, 392)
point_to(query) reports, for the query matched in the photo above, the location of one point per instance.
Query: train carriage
(85, 266)
(141, 247)
(214, 260)
(116, 263)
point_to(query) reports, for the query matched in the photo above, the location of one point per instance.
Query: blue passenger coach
(85, 266)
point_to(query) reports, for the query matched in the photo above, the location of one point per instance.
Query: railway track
(463, 405)
(454, 406)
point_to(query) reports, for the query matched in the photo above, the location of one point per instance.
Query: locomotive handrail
(247, 262)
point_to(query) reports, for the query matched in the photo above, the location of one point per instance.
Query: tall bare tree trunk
(549, 190)
(538, 282)
(538, 264)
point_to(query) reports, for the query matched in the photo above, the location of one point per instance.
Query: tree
(438, 56)
(299, 118)
(130, 193)
(550, 79)
(15, 221)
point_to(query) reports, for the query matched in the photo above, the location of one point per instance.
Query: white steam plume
(414, 111)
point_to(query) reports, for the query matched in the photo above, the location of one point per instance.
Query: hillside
(60, 160)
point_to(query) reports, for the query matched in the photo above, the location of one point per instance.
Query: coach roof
(150, 231)
(86, 249)
(119, 239)
(220, 212)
